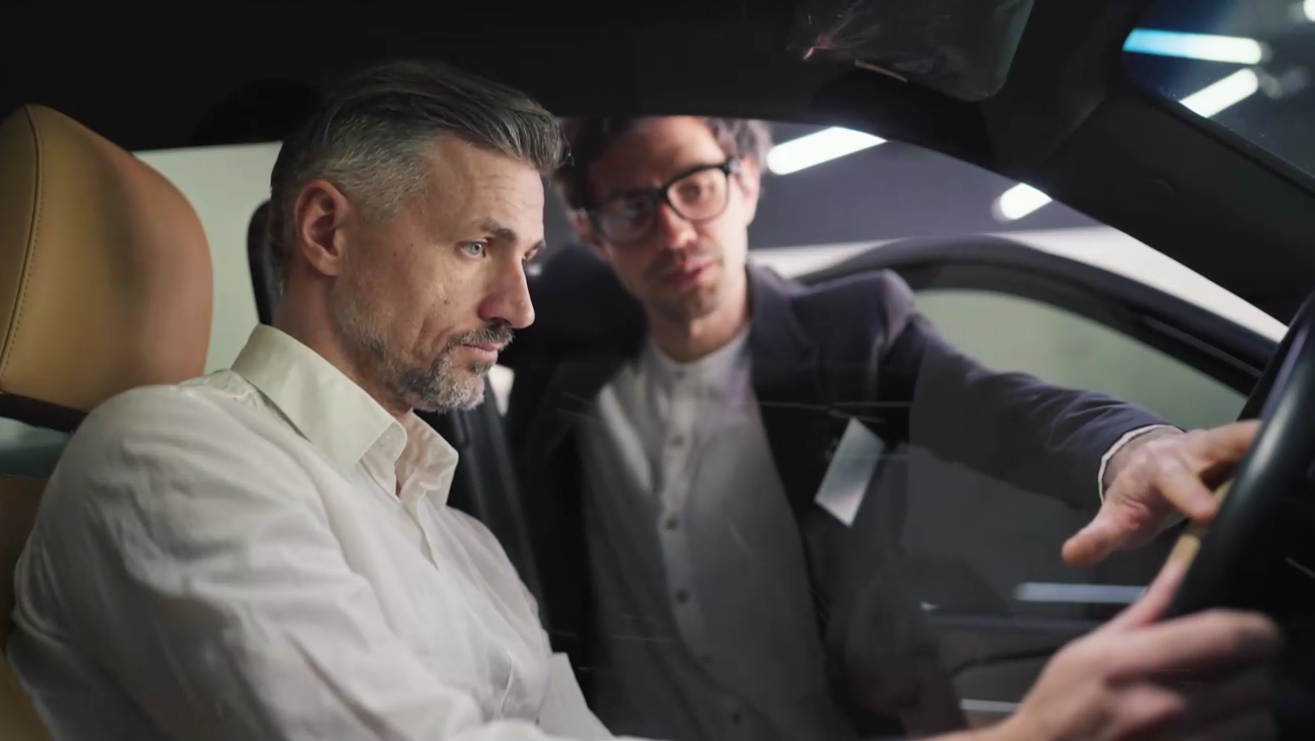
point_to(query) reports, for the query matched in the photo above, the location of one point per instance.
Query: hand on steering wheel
(1155, 480)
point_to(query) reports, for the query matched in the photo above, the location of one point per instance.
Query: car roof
(1067, 120)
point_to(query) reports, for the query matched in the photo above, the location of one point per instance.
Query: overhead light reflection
(1206, 47)
(818, 147)
(1019, 201)
(1226, 93)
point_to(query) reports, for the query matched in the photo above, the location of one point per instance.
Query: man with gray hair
(266, 552)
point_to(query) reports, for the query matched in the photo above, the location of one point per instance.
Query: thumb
(1090, 545)
(1154, 601)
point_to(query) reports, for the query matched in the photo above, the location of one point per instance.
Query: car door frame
(1217, 346)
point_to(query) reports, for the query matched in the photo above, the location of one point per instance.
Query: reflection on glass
(1243, 63)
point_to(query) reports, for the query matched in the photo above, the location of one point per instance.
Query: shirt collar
(339, 417)
(714, 371)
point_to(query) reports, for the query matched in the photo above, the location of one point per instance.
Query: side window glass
(1011, 333)
(963, 525)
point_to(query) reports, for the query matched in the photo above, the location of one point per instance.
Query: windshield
(1245, 64)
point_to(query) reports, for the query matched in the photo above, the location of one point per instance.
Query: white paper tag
(847, 478)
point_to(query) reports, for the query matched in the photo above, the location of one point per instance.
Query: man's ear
(321, 213)
(749, 180)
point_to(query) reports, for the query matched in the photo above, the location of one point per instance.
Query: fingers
(1180, 467)
(1090, 545)
(1153, 602)
(1111, 529)
(1234, 696)
(1228, 444)
(1164, 475)
(1176, 474)
(1144, 711)
(1236, 709)
(1211, 641)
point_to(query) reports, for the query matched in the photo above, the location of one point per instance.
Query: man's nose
(508, 301)
(672, 230)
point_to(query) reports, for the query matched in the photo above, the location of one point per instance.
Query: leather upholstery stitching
(30, 255)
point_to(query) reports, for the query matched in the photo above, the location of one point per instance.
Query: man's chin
(458, 395)
(690, 304)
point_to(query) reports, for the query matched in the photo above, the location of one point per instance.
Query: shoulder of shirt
(221, 406)
(222, 393)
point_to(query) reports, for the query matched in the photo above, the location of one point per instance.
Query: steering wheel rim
(1259, 551)
(1276, 478)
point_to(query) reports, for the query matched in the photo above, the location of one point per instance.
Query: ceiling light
(1019, 201)
(1308, 7)
(1229, 91)
(817, 148)
(1235, 49)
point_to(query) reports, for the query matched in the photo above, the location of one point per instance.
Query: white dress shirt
(266, 553)
(704, 621)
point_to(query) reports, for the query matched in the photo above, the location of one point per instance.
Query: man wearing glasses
(673, 415)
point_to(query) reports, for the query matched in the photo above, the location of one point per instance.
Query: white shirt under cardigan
(265, 553)
(704, 621)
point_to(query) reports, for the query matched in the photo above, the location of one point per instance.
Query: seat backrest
(261, 263)
(105, 284)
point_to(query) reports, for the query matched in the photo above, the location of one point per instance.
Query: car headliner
(145, 73)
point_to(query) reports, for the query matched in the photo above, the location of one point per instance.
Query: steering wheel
(1259, 551)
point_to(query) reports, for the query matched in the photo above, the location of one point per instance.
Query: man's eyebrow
(499, 230)
(504, 233)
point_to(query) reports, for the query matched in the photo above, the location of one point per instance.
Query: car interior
(107, 280)
(107, 286)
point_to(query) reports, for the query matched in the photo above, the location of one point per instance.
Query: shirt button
(736, 717)
(677, 441)
(670, 523)
(682, 596)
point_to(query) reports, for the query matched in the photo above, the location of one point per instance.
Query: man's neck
(691, 340)
(321, 338)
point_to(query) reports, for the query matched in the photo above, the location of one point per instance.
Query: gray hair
(371, 137)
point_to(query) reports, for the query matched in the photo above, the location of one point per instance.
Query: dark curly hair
(589, 138)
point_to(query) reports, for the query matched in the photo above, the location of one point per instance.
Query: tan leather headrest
(105, 276)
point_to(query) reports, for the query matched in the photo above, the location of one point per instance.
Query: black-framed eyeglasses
(697, 194)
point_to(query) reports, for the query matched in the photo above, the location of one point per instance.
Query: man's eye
(474, 249)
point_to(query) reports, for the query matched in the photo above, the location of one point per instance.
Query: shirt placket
(428, 539)
(677, 462)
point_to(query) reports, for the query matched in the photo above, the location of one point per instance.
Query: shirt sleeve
(197, 566)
